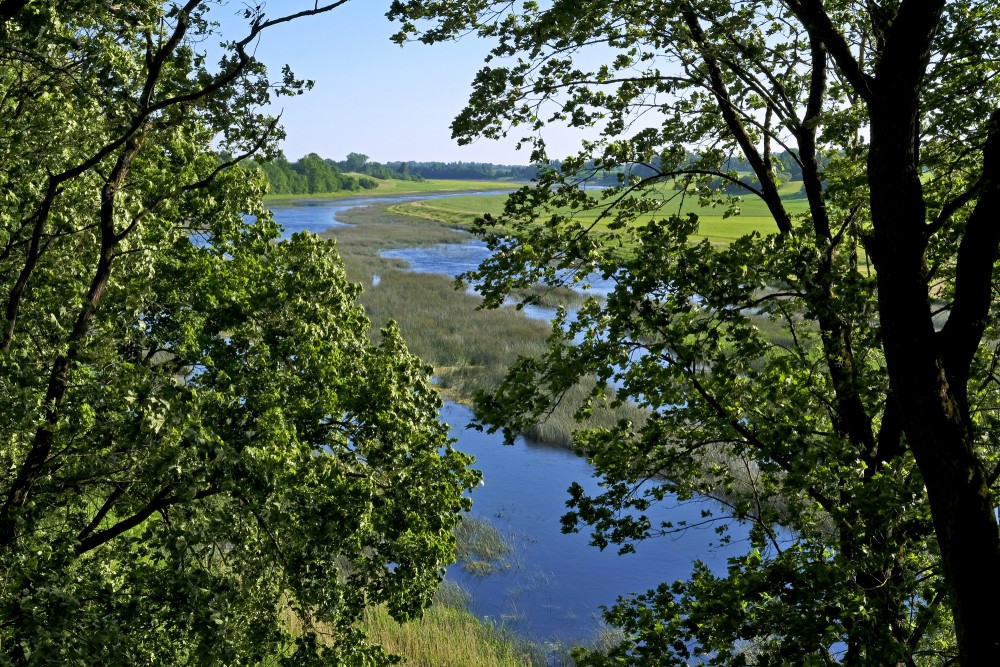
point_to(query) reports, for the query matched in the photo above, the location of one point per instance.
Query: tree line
(312, 174)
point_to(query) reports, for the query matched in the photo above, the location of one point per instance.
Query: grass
(470, 349)
(482, 549)
(754, 216)
(397, 188)
(448, 635)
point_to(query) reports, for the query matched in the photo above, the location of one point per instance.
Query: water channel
(552, 587)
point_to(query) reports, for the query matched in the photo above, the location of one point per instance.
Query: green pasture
(715, 225)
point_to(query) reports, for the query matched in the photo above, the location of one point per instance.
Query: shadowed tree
(205, 460)
(864, 430)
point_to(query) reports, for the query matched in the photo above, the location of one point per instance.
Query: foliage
(200, 440)
(309, 175)
(867, 437)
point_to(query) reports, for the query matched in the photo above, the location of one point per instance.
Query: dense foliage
(309, 175)
(312, 174)
(205, 460)
(832, 382)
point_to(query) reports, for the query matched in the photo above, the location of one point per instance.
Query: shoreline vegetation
(448, 633)
(469, 349)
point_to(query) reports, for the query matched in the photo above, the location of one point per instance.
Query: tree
(319, 176)
(866, 430)
(205, 458)
(355, 162)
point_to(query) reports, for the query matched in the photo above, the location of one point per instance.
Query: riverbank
(390, 188)
(470, 349)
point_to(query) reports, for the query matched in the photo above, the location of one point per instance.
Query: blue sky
(372, 96)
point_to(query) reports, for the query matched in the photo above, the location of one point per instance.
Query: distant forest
(313, 174)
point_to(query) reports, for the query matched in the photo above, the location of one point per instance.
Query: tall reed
(470, 349)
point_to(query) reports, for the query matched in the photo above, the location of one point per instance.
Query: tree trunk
(934, 417)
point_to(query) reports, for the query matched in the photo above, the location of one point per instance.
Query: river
(552, 587)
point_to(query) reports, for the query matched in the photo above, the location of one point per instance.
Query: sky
(372, 96)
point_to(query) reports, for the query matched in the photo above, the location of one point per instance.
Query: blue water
(454, 259)
(451, 259)
(553, 585)
(318, 215)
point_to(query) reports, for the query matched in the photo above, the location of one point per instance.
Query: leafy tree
(319, 176)
(355, 162)
(279, 175)
(205, 459)
(861, 438)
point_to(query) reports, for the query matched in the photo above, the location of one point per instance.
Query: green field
(753, 215)
(397, 188)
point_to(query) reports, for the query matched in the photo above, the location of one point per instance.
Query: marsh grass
(450, 636)
(447, 633)
(481, 548)
(469, 348)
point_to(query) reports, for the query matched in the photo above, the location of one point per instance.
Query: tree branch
(817, 22)
(769, 191)
(977, 255)
(159, 502)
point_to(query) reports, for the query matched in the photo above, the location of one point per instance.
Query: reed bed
(482, 549)
(469, 348)
(448, 635)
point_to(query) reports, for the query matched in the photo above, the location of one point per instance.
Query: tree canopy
(832, 382)
(205, 459)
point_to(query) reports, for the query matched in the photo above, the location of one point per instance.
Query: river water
(552, 587)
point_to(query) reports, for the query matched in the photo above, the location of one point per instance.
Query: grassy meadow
(753, 217)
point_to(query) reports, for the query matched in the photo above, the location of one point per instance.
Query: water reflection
(557, 582)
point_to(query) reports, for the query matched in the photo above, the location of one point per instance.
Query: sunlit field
(714, 224)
